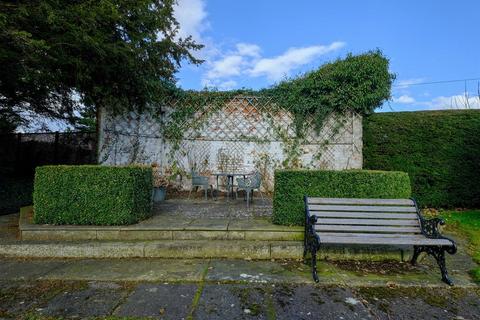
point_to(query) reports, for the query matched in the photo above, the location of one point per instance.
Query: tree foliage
(359, 83)
(56, 55)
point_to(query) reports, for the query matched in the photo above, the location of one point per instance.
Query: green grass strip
(199, 292)
(468, 223)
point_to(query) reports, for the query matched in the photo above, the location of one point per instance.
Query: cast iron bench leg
(416, 253)
(438, 252)
(305, 250)
(314, 263)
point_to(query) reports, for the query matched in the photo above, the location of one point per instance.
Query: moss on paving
(38, 317)
(38, 292)
(441, 298)
(467, 223)
(198, 293)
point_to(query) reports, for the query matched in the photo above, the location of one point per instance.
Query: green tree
(58, 55)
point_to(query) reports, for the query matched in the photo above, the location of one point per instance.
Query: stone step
(130, 234)
(163, 229)
(233, 249)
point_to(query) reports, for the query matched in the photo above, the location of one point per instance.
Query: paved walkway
(221, 289)
(231, 289)
(221, 208)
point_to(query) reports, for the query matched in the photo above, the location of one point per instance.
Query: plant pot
(159, 194)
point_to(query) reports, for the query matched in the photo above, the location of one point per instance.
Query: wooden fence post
(55, 148)
(18, 153)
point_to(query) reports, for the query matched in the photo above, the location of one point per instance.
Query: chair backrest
(198, 179)
(256, 179)
(378, 216)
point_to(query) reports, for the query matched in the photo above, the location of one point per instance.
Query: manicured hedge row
(292, 185)
(440, 150)
(92, 195)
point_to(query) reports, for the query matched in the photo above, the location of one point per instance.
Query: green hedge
(92, 195)
(292, 185)
(440, 150)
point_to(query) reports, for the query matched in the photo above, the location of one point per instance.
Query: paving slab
(130, 270)
(261, 224)
(208, 235)
(221, 208)
(209, 224)
(421, 303)
(94, 301)
(237, 249)
(160, 221)
(13, 269)
(314, 302)
(159, 301)
(19, 297)
(233, 302)
(256, 272)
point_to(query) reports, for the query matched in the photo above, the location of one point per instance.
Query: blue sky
(253, 44)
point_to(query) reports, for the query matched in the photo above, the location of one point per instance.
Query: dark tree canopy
(117, 54)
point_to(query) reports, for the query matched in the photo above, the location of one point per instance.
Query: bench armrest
(431, 227)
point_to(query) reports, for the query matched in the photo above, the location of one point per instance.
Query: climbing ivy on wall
(357, 83)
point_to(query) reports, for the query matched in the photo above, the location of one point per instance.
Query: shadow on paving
(57, 299)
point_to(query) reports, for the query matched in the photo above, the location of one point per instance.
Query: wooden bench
(373, 222)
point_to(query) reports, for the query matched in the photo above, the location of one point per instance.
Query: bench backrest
(395, 216)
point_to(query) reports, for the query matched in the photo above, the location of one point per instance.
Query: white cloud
(246, 60)
(408, 82)
(228, 66)
(191, 15)
(247, 49)
(459, 101)
(404, 99)
(227, 85)
(277, 67)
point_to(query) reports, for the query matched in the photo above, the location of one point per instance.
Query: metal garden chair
(200, 181)
(249, 184)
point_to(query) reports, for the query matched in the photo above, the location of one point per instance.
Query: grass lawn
(467, 222)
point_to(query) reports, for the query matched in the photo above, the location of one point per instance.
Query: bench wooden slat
(391, 229)
(319, 207)
(372, 235)
(398, 202)
(366, 215)
(382, 240)
(370, 222)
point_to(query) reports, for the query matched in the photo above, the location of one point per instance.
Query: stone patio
(221, 208)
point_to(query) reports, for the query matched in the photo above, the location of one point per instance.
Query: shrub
(92, 195)
(292, 185)
(440, 150)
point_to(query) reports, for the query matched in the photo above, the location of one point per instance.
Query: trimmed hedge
(440, 150)
(92, 195)
(292, 185)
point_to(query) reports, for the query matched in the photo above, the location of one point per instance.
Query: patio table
(230, 177)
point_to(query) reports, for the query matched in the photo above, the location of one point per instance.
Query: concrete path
(222, 289)
(346, 273)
